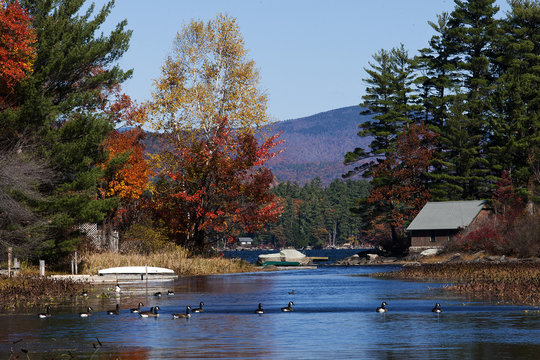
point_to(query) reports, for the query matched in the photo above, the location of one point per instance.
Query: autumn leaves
(212, 183)
(209, 180)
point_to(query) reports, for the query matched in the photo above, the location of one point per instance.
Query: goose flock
(154, 311)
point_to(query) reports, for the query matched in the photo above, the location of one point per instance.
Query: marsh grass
(517, 283)
(177, 260)
(30, 290)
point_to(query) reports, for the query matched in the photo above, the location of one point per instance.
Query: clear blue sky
(311, 53)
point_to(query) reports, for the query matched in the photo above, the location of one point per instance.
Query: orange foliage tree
(128, 178)
(126, 169)
(218, 189)
(17, 51)
(399, 187)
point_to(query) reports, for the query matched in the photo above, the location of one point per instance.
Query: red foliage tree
(220, 188)
(399, 185)
(17, 52)
(505, 200)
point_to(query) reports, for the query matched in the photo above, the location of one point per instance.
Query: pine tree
(59, 110)
(471, 33)
(514, 132)
(390, 98)
(457, 87)
(436, 78)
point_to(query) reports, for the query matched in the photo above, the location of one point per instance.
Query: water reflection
(334, 317)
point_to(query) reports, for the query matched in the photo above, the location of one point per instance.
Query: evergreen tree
(436, 78)
(513, 133)
(471, 33)
(390, 98)
(59, 110)
(437, 86)
(315, 216)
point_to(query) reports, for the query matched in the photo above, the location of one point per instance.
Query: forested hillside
(314, 146)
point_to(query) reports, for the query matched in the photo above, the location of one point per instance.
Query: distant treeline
(315, 215)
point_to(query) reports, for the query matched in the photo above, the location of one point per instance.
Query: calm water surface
(334, 318)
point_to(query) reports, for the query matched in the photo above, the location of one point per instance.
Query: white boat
(139, 270)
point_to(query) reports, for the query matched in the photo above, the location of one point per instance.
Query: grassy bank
(179, 261)
(31, 290)
(517, 283)
(27, 289)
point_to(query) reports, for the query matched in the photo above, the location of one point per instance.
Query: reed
(517, 283)
(29, 290)
(177, 260)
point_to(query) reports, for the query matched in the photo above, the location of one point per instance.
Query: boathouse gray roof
(446, 215)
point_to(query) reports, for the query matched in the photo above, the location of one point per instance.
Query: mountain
(315, 145)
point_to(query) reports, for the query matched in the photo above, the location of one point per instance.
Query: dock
(319, 258)
(113, 279)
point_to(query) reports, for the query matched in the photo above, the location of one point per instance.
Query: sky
(311, 54)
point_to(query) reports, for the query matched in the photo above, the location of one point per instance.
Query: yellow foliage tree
(208, 77)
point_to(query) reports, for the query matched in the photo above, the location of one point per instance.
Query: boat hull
(140, 270)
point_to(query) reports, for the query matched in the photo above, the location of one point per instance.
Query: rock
(414, 263)
(454, 258)
(412, 257)
(371, 256)
(430, 252)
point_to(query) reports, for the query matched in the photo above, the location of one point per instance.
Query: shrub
(479, 238)
(523, 238)
(145, 239)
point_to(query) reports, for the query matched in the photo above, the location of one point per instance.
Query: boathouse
(245, 241)
(439, 222)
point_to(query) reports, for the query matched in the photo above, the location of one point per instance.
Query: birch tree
(207, 77)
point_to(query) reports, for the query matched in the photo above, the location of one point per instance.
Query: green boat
(281, 263)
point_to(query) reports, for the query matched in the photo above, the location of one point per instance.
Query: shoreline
(516, 282)
(503, 279)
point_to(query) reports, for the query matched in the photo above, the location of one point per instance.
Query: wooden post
(10, 254)
(76, 261)
(42, 267)
(146, 268)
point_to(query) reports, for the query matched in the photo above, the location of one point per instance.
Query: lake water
(334, 318)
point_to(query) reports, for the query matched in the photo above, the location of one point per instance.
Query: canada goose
(382, 308)
(137, 309)
(142, 313)
(437, 309)
(170, 293)
(158, 294)
(187, 315)
(87, 313)
(46, 314)
(117, 288)
(199, 309)
(259, 310)
(115, 311)
(152, 313)
(288, 307)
